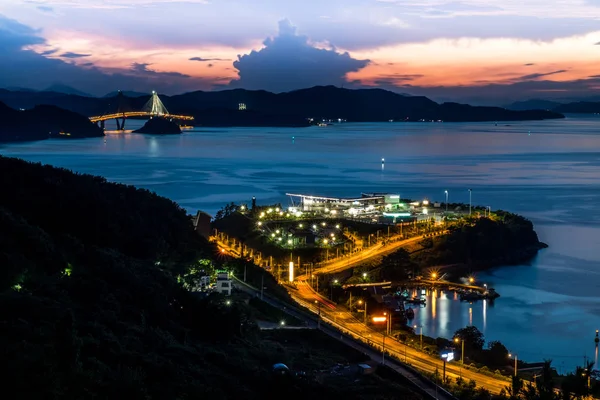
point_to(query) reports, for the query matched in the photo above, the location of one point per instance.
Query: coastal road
(344, 321)
(329, 327)
(353, 260)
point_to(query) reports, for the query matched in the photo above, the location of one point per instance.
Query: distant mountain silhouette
(533, 104)
(60, 88)
(43, 122)
(220, 108)
(579, 107)
(127, 93)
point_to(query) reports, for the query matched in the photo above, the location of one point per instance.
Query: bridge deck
(138, 114)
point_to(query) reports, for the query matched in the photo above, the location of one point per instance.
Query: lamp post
(365, 311)
(462, 353)
(446, 192)
(421, 334)
(470, 192)
(510, 355)
(383, 351)
(319, 318)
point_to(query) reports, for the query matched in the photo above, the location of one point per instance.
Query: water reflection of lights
(470, 316)
(484, 314)
(433, 303)
(153, 146)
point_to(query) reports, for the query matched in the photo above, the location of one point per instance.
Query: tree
(226, 211)
(472, 336)
(498, 353)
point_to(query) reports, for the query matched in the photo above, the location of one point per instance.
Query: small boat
(415, 300)
(471, 296)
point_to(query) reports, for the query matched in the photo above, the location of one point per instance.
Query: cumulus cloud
(290, 61)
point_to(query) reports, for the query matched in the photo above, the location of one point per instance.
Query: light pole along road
(339, 265)
(346, 322)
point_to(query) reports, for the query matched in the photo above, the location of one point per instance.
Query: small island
(44, 122)
(159, 126)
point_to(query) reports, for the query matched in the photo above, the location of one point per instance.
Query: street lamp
(365, 311)
(470, 192)
(446, 192)
(318, 319)
(471, 280)
(420, 326)
(510, 355)
(433, 275)
(462, 353)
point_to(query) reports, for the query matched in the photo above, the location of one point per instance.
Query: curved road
(346, 322)
(362, 256)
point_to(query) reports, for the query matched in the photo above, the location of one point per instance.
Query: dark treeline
(43, 122)
(93, 302)
(504, 239)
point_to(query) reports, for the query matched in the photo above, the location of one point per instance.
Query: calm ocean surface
(548, 171)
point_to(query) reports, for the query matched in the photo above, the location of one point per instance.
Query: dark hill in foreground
(91, 306)
(220, 108)
(43, 122)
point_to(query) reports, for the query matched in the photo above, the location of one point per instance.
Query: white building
(223, 285)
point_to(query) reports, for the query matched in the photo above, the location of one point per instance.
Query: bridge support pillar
(101, 124)
(123, 124)
(118, 124)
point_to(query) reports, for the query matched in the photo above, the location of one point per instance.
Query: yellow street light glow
(333, 212)
(300, 226)
(291, 277)
(290, 241)
(277, 209)
(277, 231)
(280, 212)
(323, 223)
(433, 275)
(471, 279)
(332, 235)
(325, 241)
(360, 302)
(259, 223)
(337, 227)
(379, 319)
(314, 227)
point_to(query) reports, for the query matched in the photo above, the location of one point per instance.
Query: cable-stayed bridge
(122, 109)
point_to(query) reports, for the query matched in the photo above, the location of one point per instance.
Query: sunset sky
(481, 51)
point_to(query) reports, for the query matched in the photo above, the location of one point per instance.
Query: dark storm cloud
(597, 44)
(289, 61)
(48, 52)
(528, 64)
(70, 54)
(208, 59)
(25, 67)
(539, 75)
(143, 69)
